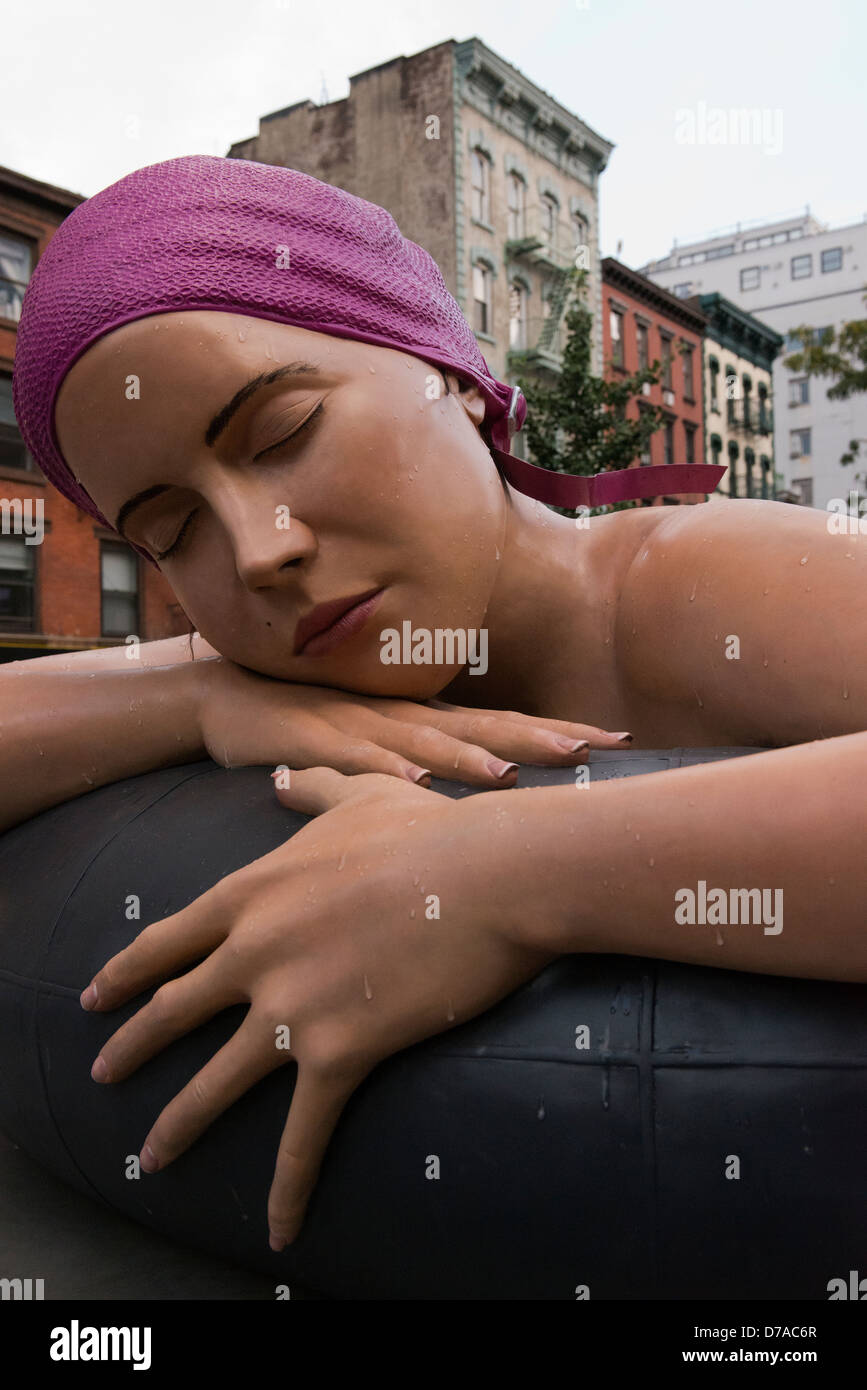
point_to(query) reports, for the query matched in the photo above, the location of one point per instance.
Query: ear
(469, 395)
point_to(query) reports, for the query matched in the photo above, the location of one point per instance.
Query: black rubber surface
(558, 1167)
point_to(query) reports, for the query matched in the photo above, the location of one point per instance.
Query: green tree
(579, 424)
(842, 357)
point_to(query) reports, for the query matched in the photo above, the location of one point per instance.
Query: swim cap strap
(602, 489)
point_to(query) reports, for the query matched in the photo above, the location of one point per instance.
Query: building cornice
(619, 276)
(506, 87)
(739, 331)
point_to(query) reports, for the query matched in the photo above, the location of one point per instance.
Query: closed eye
(289, 437)
(281, 443)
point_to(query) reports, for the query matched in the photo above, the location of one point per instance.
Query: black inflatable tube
(559, 1168)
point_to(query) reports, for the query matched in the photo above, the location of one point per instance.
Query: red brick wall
(681, 410)
(67, 583)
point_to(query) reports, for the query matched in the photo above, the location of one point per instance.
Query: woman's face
(267, 492)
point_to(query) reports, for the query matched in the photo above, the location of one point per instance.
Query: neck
(536, 617)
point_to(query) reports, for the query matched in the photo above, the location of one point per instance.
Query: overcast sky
(96, 88)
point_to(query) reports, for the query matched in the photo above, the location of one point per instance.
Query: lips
(325, 615)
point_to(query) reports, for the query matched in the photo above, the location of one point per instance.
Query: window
(17, 574)
(764, 419)
(802, 267)
(482, 299)
(717, 251)
(668, 442)
(832, 260)
(731, 394)
(665, 346)
(750, 244)
(749, 464)
(765, 465)
(617, 351)
(714, 385)
(688, 356)
(580, 231)
(516, 197)
(689, 436)
(715, 449)
(549, 221)
(748, 387)
(13, 453)
(16, 262)
(643, 340)
(799, 390)
(732, 475)
(805, 487)
(800, 443)
(644, 458)
(480, 187)
(517, 317)
(750, 278)
(683, 291)
(119, 586)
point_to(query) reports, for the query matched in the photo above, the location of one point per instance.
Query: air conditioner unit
(668, 398)
(645, 390)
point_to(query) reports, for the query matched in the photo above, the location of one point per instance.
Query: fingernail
(99, 1071)
(89, 997)
(499, 768)
(622, 738)
(569, 745)
(417, 774)
(148, 1159)
(276, 1242)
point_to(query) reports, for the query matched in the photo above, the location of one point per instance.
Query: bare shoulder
(754, 610)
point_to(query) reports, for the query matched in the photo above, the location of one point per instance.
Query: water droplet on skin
(373, 370)
(765, 591)
(242, 337)
(804, 559)
(765, 661)
(540, 1113)
(497, 549)
(832, 881)
(638, 837)
(367, 990)
(651, 862)
(700, 700)
(451, 1013)
(845, 692)
(719, 938)
(412, 912)
(342, 861)
(410, 822)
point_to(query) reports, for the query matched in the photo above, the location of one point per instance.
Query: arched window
(481, 191)
(734, 452)
(517, 316)
(549, 221)
(765, 465)
(749, 464)
(763, 408)
(713, 366)
(580, 231)
(516, 197)
(482, 318)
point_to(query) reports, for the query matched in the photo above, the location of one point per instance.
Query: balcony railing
(551, 243)
(747, 418)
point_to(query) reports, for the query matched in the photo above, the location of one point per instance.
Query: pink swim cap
(201, 232)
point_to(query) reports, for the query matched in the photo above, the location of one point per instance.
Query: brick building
(482, 168)
(643, 324)
(65, 582)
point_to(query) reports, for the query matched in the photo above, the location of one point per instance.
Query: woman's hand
(246, 718)
(347, 948)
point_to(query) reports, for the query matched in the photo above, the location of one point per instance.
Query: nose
(267, 540)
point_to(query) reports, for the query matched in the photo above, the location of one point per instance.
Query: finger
(177, 1008)
(480, 752)
(317, 1104)
(596, 737)
(164, 948)
(249, 1054)
(318, 789)
(320, 743)
(453, 758)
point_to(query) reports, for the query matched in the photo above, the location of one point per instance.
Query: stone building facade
(482, 168)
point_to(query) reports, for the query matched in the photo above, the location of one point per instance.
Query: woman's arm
(619, 867)
(62, 733)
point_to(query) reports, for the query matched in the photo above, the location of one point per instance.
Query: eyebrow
(217, 426)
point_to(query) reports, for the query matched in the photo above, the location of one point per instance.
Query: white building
(788, 274)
